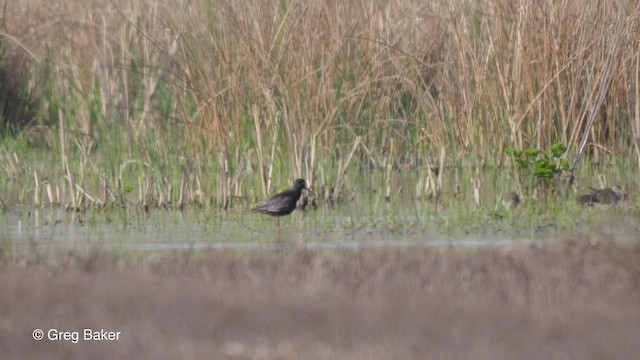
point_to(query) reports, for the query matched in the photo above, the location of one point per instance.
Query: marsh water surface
(325, 228)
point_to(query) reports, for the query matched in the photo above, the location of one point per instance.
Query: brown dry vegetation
(571, 300)
(444, 69)
(180, 102)
(272, 90)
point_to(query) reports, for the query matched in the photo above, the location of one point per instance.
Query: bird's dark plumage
(602, 196)
(283, 203)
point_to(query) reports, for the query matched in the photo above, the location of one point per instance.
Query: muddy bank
(569, 300)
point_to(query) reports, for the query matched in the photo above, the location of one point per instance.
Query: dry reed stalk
(79, 196)
(149, 198)
(124, 82)
(198, 195)
(387, 179)
(603, 83)
(310, 163)
(342, 169)
(169, 194)
(431, 185)
(103, 189)
(419, 187)
(65, 162)
(224, 181)
(442, 168)
(140, 191)
(635, 120)
(273, 151)
(602, 179)
(256, 121)
(84, 195)
(49, 192)
(36, 189)
(165, 198)
(456, 181)
(181, 201)
(61, 192)
(12, 162)
(475, 183)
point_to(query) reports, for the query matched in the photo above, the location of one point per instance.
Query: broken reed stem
(85, 194)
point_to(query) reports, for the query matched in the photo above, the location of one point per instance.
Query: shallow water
(337, 228)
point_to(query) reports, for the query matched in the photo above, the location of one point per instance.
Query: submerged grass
(217, 104)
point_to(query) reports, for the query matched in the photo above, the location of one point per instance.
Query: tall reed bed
(172, 103)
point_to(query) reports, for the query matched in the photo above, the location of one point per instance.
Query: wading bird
(283, 203)
(602, 196)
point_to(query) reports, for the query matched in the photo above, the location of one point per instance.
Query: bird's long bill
(309, 190)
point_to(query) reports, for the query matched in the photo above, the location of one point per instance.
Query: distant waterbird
(511, 200)
(283, 203)
(602, 196)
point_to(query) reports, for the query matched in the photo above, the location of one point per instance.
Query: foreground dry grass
(567, 301)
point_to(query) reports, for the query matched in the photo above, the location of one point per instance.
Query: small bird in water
(283, 203)
(602, 196)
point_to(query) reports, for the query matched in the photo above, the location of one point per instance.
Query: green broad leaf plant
(540, 169)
